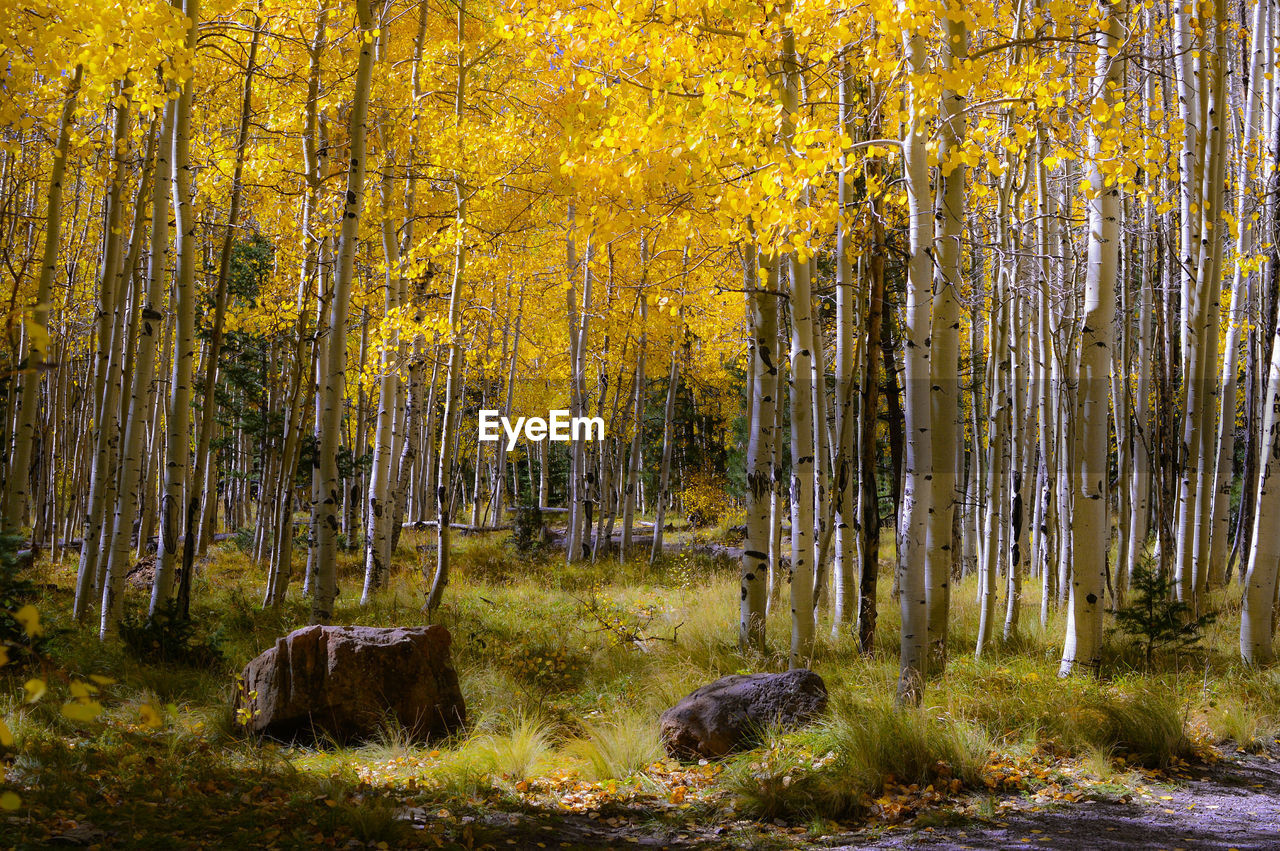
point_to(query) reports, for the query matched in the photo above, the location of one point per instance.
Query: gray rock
(347, 682)
(731, 713)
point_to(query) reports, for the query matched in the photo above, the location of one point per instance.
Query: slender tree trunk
(453, 380)
(35, 326)
(113, 299)
(199, 485)
(1225, 443)
(378, 508)
(637, 437)
(177, 441)
(1083, 645)
(764, 376)
(869, 405)
(664, 469)
(918, 468)
(130, 492)
(945, 424)
(330, 424)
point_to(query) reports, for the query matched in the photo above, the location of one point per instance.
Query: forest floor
(565, 670)
(1230, 801)
(1233, 802)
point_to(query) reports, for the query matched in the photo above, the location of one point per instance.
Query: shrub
(705, 498)
(243, 539)
(528, 534)
(547, 665)
(168, 638)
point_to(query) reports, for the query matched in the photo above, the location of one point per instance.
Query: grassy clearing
(563, 704)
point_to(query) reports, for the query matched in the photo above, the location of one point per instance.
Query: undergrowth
(554, 695)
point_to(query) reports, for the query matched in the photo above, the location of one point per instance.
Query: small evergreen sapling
(1155, 619)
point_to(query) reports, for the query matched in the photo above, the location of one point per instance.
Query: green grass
(618, 748)
(833, 771)
(552, 692)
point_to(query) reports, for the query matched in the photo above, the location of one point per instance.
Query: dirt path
(1234, 803)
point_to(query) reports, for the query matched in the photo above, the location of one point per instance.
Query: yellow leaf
(10, 801)
(82, 711)
(81, 690)
(29, 617)
(150, 715)
(6, 737)
(101, 680)
(35, 690)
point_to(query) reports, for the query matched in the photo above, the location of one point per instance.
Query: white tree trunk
(35, 323)
(764, 398)
(378, 508)
(178, 422)
(944, 352)
(325, 588)
(1083, 645)
(918, 466)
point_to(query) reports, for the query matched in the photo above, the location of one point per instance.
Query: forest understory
(565, 671)
(923, 365)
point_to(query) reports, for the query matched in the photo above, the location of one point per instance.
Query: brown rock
(348, 681)
(732, 712)
(142, 574)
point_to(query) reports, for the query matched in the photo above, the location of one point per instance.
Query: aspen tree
(944, 349)
(137, 412)
(918, 467)
(414, 407)
(992, 552)
(330, 423)
(844, 486)
(663, 494)
(178, 420)
(582, 469)
(453, 377)
(869, 407)
(1200, 98)
(1258, 346)
(804, 467)
(1023, 456)
(112, 298)
(1046, 382)
(1261, 58)
(573, 532)
(1256, 634)
(378, 508)
(199, 485)
(1209, 287)
(36, 328)
(760, 473)
(637, 426)
(511, 341)
(1083, 644)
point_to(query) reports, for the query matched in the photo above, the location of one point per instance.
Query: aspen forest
(522, 423)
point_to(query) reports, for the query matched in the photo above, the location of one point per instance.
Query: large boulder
(347, 682)
(732, 712)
